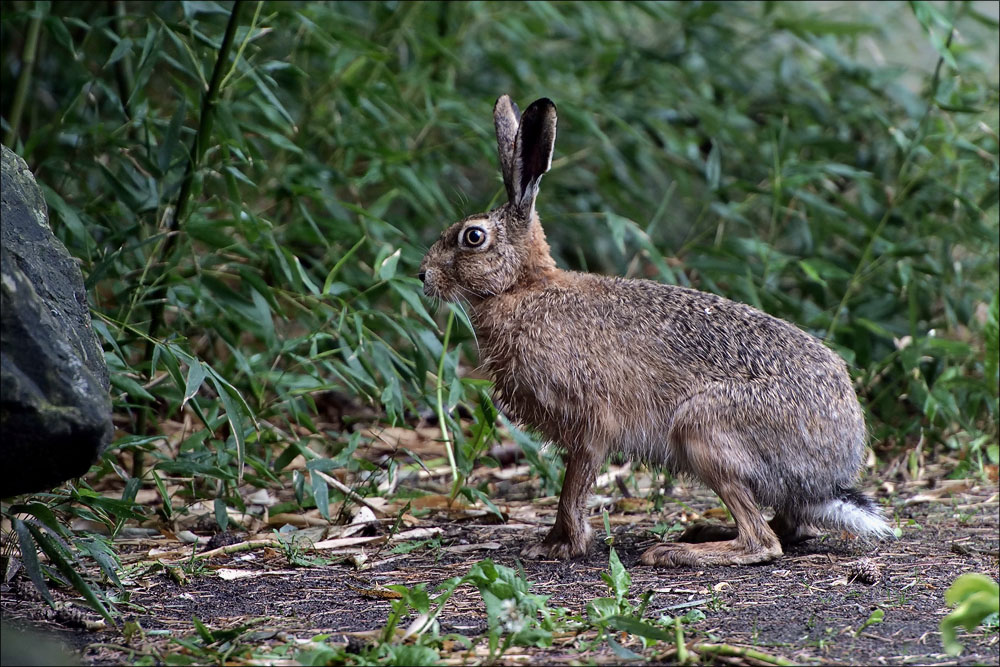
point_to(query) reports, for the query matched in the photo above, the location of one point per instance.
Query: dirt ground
(808, 607)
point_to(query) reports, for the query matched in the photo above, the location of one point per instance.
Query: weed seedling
(874, 619)
(716, 603)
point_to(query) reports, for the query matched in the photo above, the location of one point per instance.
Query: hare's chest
(529, 381)
(569, 397)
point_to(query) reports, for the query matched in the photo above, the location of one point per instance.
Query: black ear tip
(542, 104)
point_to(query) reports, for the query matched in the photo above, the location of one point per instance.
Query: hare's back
(725, 338)
(591, 332)
(704, 334)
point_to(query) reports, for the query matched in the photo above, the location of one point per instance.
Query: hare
(757, 409)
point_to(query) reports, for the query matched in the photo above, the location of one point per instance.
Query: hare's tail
(852, 511)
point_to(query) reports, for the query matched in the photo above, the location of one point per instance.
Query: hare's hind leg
(754, 541)
(788, 530)
(791, 529)
(716, 458)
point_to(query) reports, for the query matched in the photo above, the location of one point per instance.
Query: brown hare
(760, 411)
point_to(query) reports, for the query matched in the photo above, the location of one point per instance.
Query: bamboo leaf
(55, 554)
(122, 49)
(29, 558)
(195, 378)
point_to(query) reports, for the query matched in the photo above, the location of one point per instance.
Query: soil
(808, 607)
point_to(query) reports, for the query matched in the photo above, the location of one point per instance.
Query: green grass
(250, 203)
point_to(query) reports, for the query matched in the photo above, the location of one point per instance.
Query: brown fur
(759, 410)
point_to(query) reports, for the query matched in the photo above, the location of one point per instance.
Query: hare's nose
(422, 275)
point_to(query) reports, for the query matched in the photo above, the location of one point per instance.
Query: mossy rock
(55, 409)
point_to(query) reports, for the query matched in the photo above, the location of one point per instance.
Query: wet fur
(760, 411)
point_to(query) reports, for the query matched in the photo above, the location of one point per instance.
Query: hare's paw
(670, 554)
(732, 552)
(559, 546)
(788, 532)
(548, 551)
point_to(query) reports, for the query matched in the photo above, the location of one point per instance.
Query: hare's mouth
(431, 289)
(434, 293)
(431, 278)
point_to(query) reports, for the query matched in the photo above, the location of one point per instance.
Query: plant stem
(243, 44)
(124, 71)
(682, 651)
(740, 652)
(157, 295)
(24, 80)
(445, 436)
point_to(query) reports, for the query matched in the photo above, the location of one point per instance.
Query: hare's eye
(474, 236)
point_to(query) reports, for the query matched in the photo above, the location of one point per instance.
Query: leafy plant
(618, 580)
(876, 617)
(214, 646)
(38, 529)
(976, 599)
(515, 616)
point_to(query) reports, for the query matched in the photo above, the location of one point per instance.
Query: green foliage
(514, 614)
(617, 613)
(976, 598)
(249, 193)
(210, 646)
(876, 617)
(279, 223)
(294, 552)
(515, 617)
(38, 528)
(618, 580)
(423, 637)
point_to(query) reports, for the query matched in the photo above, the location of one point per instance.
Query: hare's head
(489, 253)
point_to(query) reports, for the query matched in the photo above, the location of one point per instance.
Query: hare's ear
(533, 146)
(506, 117)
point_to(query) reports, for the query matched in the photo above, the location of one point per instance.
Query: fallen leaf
(342, 542)
(947, 487)
(230, 574)
(633, 505)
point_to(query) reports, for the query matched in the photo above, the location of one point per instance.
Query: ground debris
(276, 595)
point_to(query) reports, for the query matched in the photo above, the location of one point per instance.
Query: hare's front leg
(571, 535)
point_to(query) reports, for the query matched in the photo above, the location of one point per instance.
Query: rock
(55, 409)
(33, 647)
